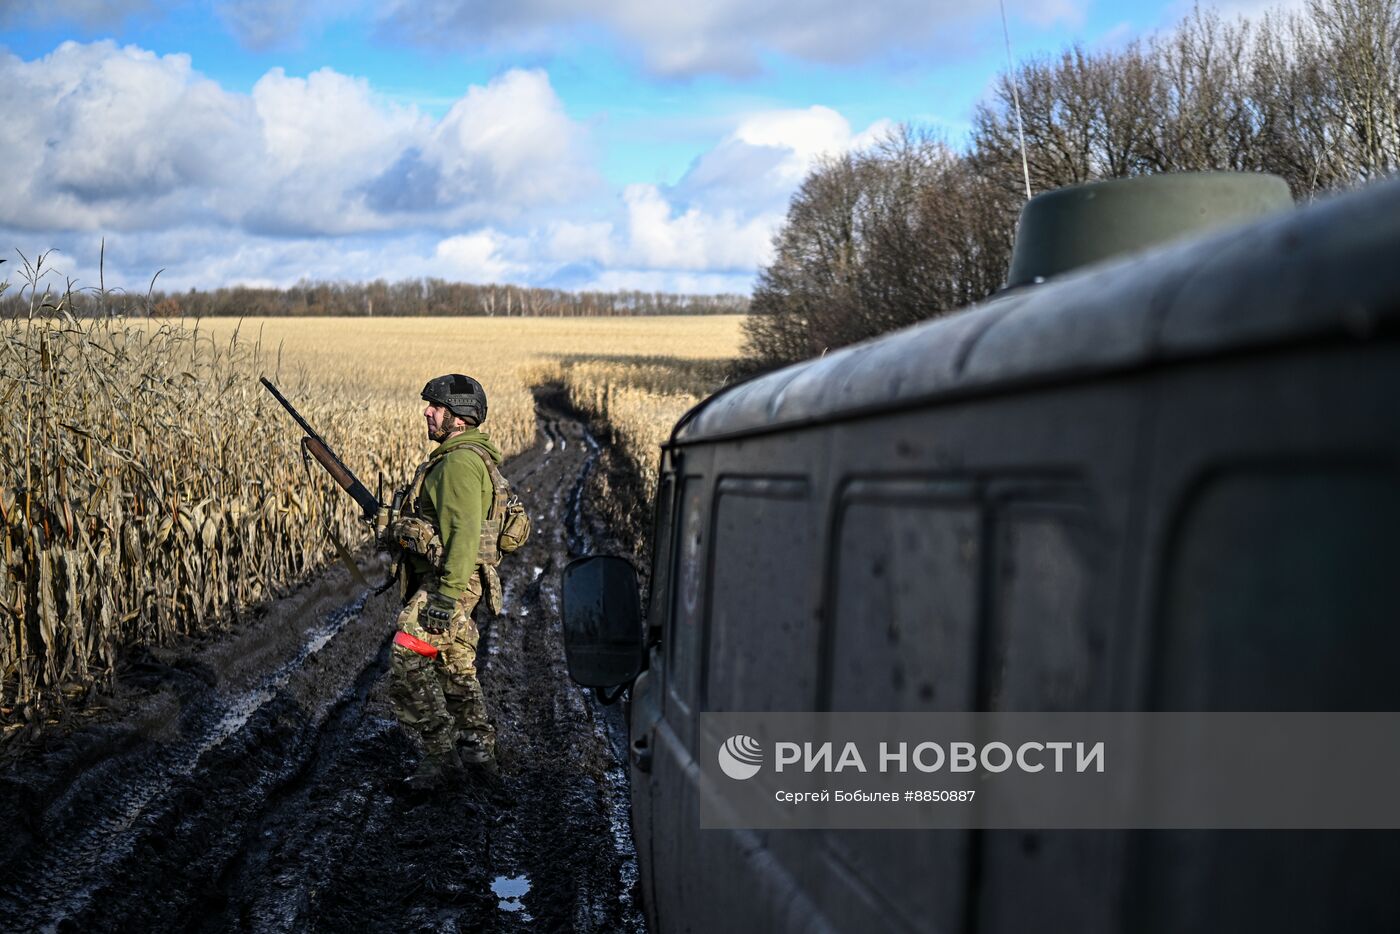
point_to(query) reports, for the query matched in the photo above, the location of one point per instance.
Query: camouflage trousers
(438, 695)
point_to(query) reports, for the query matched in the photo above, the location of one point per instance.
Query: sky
(592, 144)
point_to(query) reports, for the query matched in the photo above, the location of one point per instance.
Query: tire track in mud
(576, 532)
(610, 719)
(557, 717)
(95, 825)
(265, 792)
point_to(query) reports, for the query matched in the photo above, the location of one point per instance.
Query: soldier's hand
(438, 613)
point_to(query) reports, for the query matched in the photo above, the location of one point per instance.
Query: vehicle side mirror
(602, 611)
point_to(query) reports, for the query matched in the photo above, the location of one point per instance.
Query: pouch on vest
(417, 537)
(515, 529)
(491, 584)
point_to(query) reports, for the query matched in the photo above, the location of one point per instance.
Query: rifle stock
(319, 449)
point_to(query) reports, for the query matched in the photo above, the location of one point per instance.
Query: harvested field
(378, 365)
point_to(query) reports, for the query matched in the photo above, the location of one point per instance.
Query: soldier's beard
(450, 426)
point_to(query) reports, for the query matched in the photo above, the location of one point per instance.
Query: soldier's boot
(478, 753)
(434, 771)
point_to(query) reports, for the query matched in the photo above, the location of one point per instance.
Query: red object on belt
(426, 649)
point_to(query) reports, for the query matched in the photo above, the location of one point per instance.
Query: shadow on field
(660, 374)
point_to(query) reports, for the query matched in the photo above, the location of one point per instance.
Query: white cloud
(481, 257)
(705, 36)
(573, 242)
(763, 160)
(808, 133)
(326, 137)
(120, 138)
(513, 135)
(322, 177)
(327, 120)
(102, 136)
(658, 237)
(204, 257)
(714, 228)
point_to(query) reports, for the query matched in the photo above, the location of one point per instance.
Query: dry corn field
(153, 489)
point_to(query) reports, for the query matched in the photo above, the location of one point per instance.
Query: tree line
(914, 228)
(410, 297)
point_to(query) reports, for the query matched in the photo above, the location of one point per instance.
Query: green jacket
(456, 496)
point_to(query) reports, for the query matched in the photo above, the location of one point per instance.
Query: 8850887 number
(942, 795)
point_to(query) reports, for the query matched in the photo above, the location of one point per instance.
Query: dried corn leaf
(167, 525)
(209, 533)
(48, 609)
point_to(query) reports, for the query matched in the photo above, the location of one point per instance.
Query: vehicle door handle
(641, 753)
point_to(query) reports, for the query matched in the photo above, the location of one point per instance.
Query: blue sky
(590, 144)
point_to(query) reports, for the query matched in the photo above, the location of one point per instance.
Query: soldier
(434, 688)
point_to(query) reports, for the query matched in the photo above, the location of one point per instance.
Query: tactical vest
(505, 527)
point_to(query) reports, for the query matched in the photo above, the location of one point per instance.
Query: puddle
(510, 891)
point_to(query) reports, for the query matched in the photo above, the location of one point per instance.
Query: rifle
(317, 447)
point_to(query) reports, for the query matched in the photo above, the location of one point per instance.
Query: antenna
(1016, 98)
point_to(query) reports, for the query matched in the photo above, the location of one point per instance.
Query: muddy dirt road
(255, 783)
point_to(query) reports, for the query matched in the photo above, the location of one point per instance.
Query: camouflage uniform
(437, 694)
(441, 697)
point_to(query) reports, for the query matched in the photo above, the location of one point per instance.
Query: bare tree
(875, 241)
(1351, 51)
(798, 299)
(1205, 119)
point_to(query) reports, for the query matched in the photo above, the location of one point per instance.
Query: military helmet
(461, 395)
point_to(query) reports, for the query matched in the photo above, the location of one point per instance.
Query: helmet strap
(451, 425)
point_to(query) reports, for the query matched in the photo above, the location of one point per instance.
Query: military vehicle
(1161, 481)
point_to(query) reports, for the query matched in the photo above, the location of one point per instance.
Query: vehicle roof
(1327, 270)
